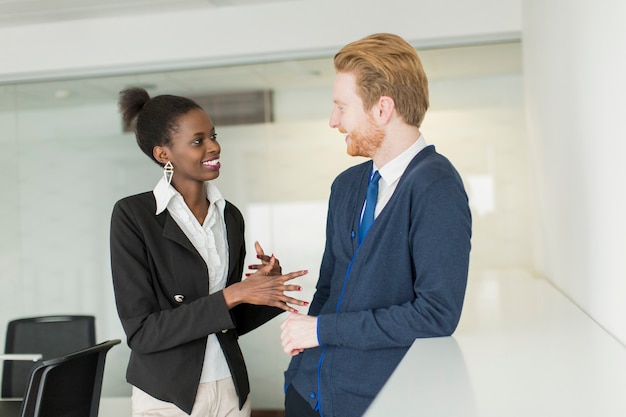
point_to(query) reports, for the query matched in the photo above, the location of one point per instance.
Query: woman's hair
(386, 65)
(153, 119)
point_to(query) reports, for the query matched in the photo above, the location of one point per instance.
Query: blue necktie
(370, 206)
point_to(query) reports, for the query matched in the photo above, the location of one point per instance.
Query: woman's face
(194, 150)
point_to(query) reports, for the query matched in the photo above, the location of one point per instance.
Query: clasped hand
(266, 286)
(298, 332)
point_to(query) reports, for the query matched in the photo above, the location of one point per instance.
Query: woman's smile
(213, 164)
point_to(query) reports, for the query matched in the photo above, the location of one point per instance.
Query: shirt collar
(164, 192)
(396, 167)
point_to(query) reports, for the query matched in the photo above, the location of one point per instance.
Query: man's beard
(366, 141)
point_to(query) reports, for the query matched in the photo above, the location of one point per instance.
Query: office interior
(526, 101)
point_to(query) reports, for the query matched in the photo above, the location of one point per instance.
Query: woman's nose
(212, 146)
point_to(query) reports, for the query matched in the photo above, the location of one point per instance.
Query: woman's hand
(263, 288)
(265, 260)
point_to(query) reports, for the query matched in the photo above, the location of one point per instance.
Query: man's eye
(213, 136)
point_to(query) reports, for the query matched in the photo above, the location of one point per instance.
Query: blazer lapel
(234, 243)
(172, 232)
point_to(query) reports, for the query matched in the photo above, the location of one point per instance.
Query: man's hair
(386, 65)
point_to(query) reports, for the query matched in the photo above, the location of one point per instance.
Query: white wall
(575, 89)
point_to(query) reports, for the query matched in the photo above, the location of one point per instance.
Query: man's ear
(385, 108)
(160, 153)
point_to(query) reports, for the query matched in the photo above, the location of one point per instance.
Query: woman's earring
(168, 172)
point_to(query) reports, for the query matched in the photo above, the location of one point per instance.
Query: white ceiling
(466, 61)
(22, 12)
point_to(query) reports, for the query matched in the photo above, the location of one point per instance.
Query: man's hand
(299, 332)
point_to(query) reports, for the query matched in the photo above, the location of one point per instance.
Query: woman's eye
(213, 136)
(196, 141)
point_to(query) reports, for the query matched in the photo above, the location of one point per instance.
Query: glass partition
(67, 160)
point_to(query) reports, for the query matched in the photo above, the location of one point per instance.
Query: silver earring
(168, 172)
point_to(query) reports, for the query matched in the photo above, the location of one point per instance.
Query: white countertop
(20, 356)
(521, 349)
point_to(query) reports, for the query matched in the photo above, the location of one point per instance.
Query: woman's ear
(160, 154)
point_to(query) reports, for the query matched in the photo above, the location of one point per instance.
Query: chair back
(52, 336)
(67, 386)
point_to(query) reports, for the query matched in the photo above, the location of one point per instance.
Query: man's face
(364, 136)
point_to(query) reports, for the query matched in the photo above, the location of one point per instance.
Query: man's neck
(397, 140)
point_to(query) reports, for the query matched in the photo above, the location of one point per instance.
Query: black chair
(50, 336)
(67, 386)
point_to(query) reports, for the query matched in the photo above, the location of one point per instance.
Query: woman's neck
(194, 194)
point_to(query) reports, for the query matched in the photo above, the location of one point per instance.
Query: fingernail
(306, 303)
(248, 275)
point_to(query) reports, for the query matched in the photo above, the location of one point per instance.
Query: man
(404, 279)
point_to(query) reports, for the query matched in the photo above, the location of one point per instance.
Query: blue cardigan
(407, 280)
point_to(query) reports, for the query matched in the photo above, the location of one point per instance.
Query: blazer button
(225, 331)
(179, 298)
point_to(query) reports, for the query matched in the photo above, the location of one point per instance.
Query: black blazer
(153, 264)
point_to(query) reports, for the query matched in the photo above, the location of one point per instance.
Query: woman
(177, 258)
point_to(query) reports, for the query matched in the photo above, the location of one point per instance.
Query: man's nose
(334, 119)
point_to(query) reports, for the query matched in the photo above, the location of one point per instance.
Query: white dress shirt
(210, 241)
(392, 171)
